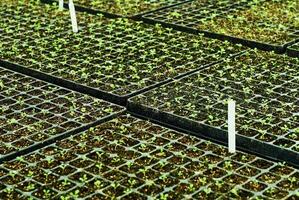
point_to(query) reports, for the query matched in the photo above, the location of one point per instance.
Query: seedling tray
(22, 20)
(34, 113)
(111, 9)
(262, 24)
(293, 50)
(265, 87)
(113, 59)
(129, 158)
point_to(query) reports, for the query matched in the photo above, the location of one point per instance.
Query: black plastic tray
(161, 18)
(129, 158)
(95, 92)
(168, 54)
(114, 15)
(84, 9)
(178, 118)
(29, 102)
(101, 94)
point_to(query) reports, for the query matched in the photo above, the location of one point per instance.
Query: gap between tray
(243, 143)
(97, 93)
(279, 49)
(59, 137)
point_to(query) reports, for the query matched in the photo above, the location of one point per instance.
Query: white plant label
(73, 16)
(60, 4)
(231, 126)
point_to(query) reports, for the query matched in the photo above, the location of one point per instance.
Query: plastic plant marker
(231, 126)
(73, 16)
(60, 4)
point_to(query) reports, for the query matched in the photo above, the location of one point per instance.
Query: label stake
(60, 4)
(231, 126)
(73, 16)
